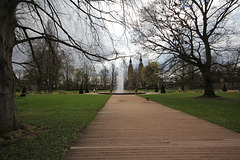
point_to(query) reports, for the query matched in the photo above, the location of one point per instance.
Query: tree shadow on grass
(211, 97)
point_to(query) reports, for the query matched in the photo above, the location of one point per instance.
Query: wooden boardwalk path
(130, 127)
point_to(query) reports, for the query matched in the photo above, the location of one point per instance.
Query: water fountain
(120, 79)
(120, 83)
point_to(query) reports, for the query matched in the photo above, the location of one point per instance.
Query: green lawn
(224, 111)
(63, 117)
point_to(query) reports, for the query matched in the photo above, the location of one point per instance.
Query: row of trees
(49, 76)
(49, 67)
(61, 74)
(188, 76)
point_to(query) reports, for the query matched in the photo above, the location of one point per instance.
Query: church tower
(139, 78)
(130, 75)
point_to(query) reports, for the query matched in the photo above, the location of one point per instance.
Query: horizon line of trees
(61, 74)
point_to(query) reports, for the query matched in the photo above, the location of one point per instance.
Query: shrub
(224, 89)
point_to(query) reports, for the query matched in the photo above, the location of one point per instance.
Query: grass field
(224, 110)
(62, 117)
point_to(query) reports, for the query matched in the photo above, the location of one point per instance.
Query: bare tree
(229, 70)
(79, 78)
(233, 68)
(180, 74)
(44, 67)
(185, 75)
(104, 77)
(113, 76)
(88, 70)
(23, 21)
(188, 30)
(68, 68)
(94, 80)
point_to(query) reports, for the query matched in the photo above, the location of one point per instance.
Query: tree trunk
(9, 117)
(45, 85)
(81, 88)
(208, 83)
(86, 84)
(183, 87)
(156, 88)
(206, 68)
(67, 83)
(39, 84)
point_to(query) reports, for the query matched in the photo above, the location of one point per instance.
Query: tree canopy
(151, 73)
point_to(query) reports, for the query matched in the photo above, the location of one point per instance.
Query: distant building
(130, 84)
(135, 79)
(140, 82)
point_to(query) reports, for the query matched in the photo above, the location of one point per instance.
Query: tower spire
(140, 67)
(130, 75)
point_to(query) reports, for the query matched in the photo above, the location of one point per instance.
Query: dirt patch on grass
(28, 132)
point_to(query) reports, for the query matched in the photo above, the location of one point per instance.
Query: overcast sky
(116, 37)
